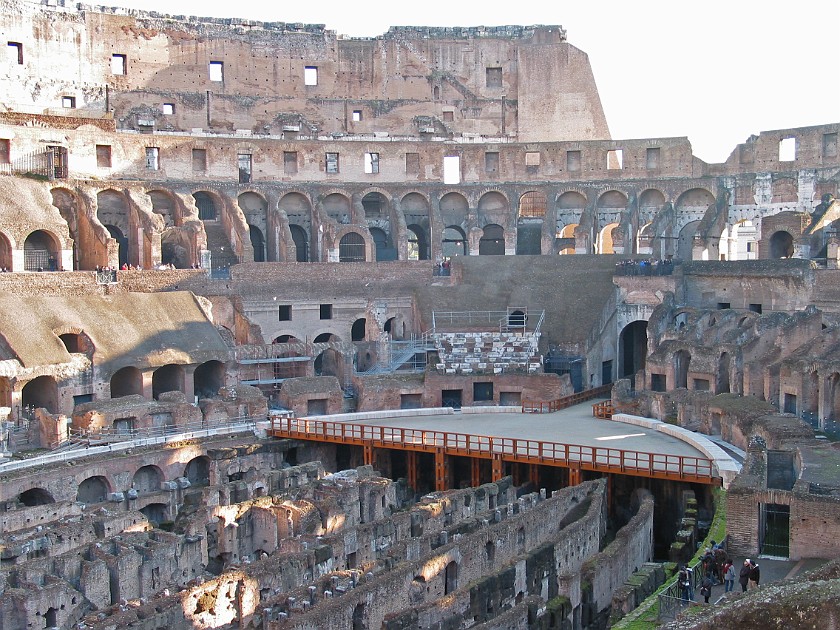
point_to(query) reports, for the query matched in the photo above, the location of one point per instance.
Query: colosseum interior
(230, 248)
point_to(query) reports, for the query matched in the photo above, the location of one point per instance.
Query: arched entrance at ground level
(93, 490)
(358, 331)
(301, 243)
(122, 243)
(682, 360)
(41, 392)
(381, 246)
(51, 618)
(206, 206)
(605, 239)
(147, 479)
(454, 242)
(257, 242)
(374, 203)
(156, 513)
(351, 248)
(418, 244)
(492, 241)
(169, 378)
(126, 382)
(5, 252)
(632, 348)
(781, 245)
(208, 379)
(450, 578)
(330, 363)
(41, 252)
(198, 471)
(35, 496)
(722, 385)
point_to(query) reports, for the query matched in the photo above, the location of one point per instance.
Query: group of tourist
(443, 267)
(717, 568)
(645, 267)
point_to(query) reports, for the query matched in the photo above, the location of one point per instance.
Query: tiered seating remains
(488, 352)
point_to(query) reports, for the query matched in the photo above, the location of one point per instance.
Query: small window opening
(573, 160)
(152, 158)
(723, 305)
(118, 64)
(357, 115)
(199, 160)
(371, 162)
(787, 149)
(244, 161)
(68, 102)
(448, 116)
(412, 163)
(332, 162)
(103, 155)
(285, 312)
(290, 162)
(615, 160)
(310, 75)
(491, 162)
(15, 50)
(652, 158)
(217, 71)
(494, 77)
(168, 109)
(452, 169)
(755, 308)
(326, 311)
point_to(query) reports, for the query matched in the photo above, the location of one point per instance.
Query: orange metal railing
(603, 410)
(548, 406)
(597, 458)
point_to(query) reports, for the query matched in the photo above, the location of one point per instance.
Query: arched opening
(337, 207)
(5, 252)
(155, 513)
(35, 496)
(682, 359)
(325, 338)
(382, 249)
(605, 239)
(164, 205)
(357, 332)
(93, 490)
(374, 203)
(722, 385)
(566, 240)
(126, 382)
(359, 617)
(532, 205)
(41, 392)
(198, 471)
(351, 248)
(206, 206)
(454, 206)
(122, 243)
(833, 400)
(685, 242)
(450, 578)
(147, 479)
(41, 252)
(208, 379)
(492, 241)
(168, 378)
(644, 239)
(781, 245)
(286, 339)
(77, 343)
(329, 363)
(301, 243)
(742, 242)
(257, 242)
(516, 320)
(51, 618)
(632, 348)
(418, 244)
(454, 242)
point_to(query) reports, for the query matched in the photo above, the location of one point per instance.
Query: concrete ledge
(379, 415)
(727, 467)
(493, 409)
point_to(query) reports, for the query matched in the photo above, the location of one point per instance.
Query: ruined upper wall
(523, 82)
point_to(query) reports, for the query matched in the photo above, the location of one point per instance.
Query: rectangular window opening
(326, 311)
(452, 169)
(5, 147)
(217, 71)
(118, 64)
(491, 162)
(756, 308)
(310, 75)
(573, 160)
(412, 163)
(332, 162)
(15, 50)
(371, 163)
(830, 145)
(152, 158)
(652, 158)
(285, 312)
(657, 382)
(290, 162)
(448, 116)
(199, 160)
(103, 155)
(615, 160)
(244, 161)
(168, 109)
(357, 115)
(722, 306)
(68, 102)
(494, 77)
(787, 149)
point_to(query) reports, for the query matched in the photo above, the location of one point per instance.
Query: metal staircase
(405, 357)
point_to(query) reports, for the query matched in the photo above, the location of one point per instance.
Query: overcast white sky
(716, 71)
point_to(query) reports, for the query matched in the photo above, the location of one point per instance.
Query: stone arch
(41, 251)
(5, 251)
(781, 244)
(208, 379)
(326, 337)
(492, 241)
(493, 202)
(358, 331)
(532, 205)
(298, 209)
(381, 244)
(450, 578)
(644, 239)
(454, 208)
(571, 200)
(197, 471)
(208, 205)
(155, 513)
(35, 496)
(301, 241)
(41, 392)
(375, 205)
(605, 239)
(652, 199)
(567, 239)
(93, 490)
(330, 362)
(685, 241)
(165, 205)
(147, 479)
(351, 248)
(75, 340)
(254, 207)
(418, 243)
(257, 242)
(612, 200)
(682, 362)
(337, 207)
(285, 339)
(126, 381)
(454, 242)
(692, 204)
(632, 348)
(168, 378)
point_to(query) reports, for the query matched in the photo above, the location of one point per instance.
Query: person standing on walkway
(744, 575)
(685, 584)
(706, 586)
(755, 575)
(729, 576)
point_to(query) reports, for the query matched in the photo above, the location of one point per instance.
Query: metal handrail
(550, 406)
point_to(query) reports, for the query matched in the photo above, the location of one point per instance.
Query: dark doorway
(357, 332)
(122, 242)
(451, 398)
(205, 205)
(682, 360)
(781, 245)
(632, 345)
(492, 241)
(258, 243)
(300, 241)
(482, 392)
(606, 372)
(774, 529)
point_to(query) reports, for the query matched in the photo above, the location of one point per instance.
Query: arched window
(351, 248)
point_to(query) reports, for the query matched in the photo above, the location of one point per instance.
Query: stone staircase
(488, 352)
(222, 254)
